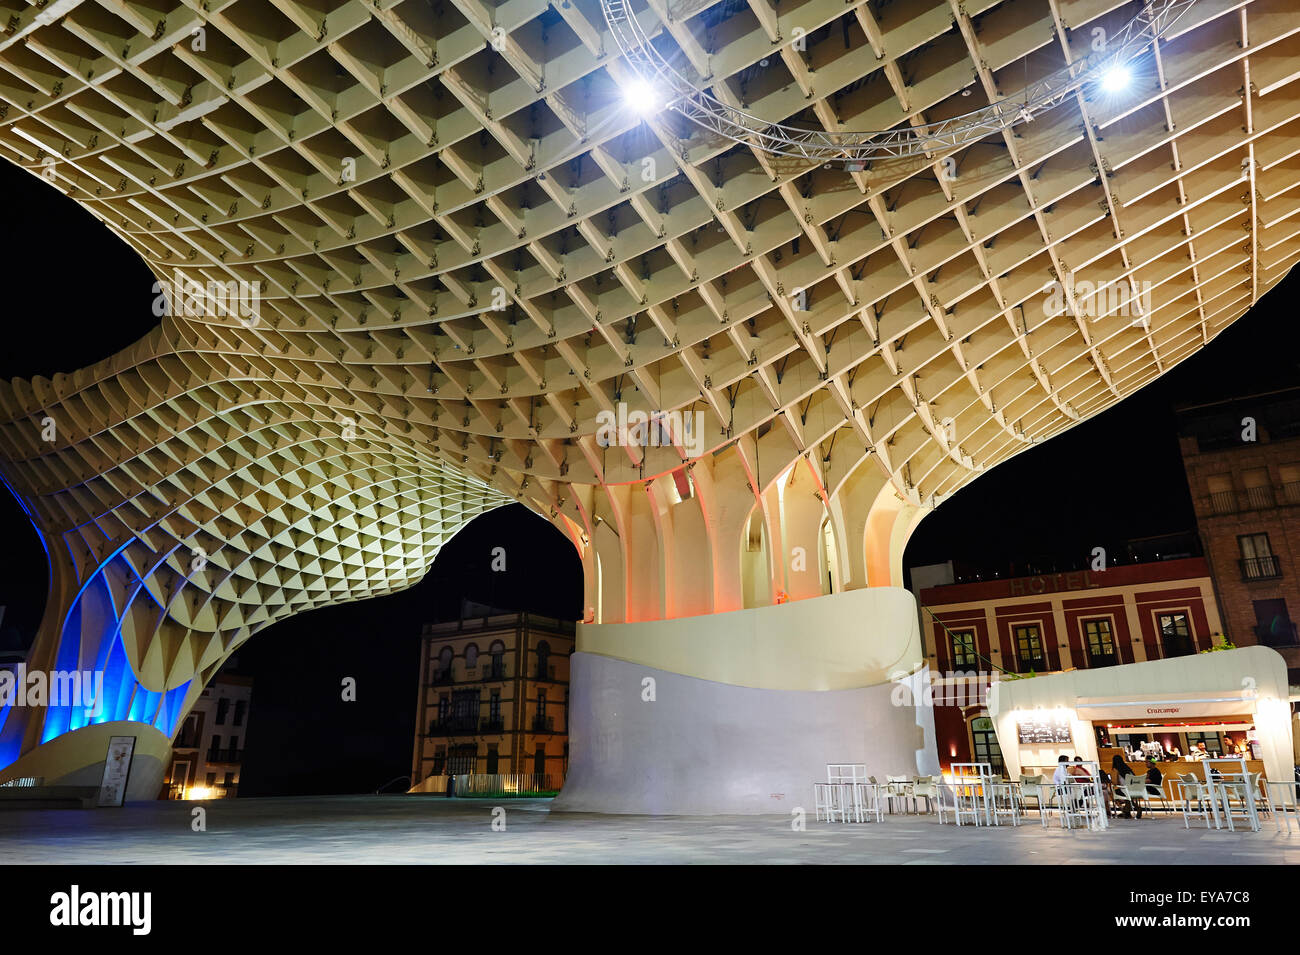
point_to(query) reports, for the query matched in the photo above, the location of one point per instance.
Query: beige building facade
(493, 699)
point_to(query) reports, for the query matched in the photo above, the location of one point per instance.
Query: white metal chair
(897, 787)
(1192, 788)
(1282, 803)
(1037, 789)
(1006, 802)
(854, 776)
(923, 787)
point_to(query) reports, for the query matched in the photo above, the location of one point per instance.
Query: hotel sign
(1052, 583)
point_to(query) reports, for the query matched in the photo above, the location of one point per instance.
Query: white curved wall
(854, 639)
(747, 707)
(704, 747)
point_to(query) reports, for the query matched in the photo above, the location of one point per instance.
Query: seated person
(1062, 774)
(1155, 779)
(1077, 769)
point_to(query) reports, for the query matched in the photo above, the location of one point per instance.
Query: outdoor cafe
(1216, 727)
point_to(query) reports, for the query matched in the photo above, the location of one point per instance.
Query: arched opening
(754, 563)
(829, 560)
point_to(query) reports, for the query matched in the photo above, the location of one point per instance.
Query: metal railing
(543, 724)
(495, 784)
(1259, 498)
(453, 725)
(1222, 502)
(1260, 568)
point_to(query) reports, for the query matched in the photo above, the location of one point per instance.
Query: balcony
(454, 726)
(1223, 502)
(1291, 492)
(224, 755)
(543, 724)
(1259, 498)
(493, 725)
(1096, 660)
(1280, 633)
(1260, 568)
(492, 671)
(1026, 664)
(544, 673)
(442, 678)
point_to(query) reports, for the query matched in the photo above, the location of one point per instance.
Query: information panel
(1047, 729)
(117, 769)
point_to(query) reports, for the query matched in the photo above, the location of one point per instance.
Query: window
(463, 759)
(1259, 488)
(543, 660)
(444, 707)
(234, 745)
(1101, 642)
(494, 707)
(1257, 560)
(241, 707)
(229, 780)
(189, 736)
(963, 648)
(493, 758)
(1222, 498)
(1175, 634)
(223, 706)
(471, 655)
(984, 743)
(212, 780)
(1273, 626)
(539, 760)
(1029, 647)
(498, 651)
(464, 711)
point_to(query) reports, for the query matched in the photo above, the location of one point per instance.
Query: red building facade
(1242, 460)
(1051, 622)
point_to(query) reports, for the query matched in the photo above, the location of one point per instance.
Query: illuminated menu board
(1046, 729)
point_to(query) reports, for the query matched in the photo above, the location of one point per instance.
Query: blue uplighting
(123, 696)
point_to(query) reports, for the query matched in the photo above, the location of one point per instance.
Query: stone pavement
(432, 829)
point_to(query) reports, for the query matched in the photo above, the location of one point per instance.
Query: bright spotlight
(1116, 79)
(643, 97)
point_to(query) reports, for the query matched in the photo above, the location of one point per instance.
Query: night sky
(79, 294)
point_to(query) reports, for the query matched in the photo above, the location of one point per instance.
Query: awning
(1182, 708)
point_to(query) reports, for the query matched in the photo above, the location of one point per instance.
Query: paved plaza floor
(430, 829)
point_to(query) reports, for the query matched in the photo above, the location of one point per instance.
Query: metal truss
(855, 150)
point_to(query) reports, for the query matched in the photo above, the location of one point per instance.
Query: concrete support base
(77, 759)
(646, 739)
